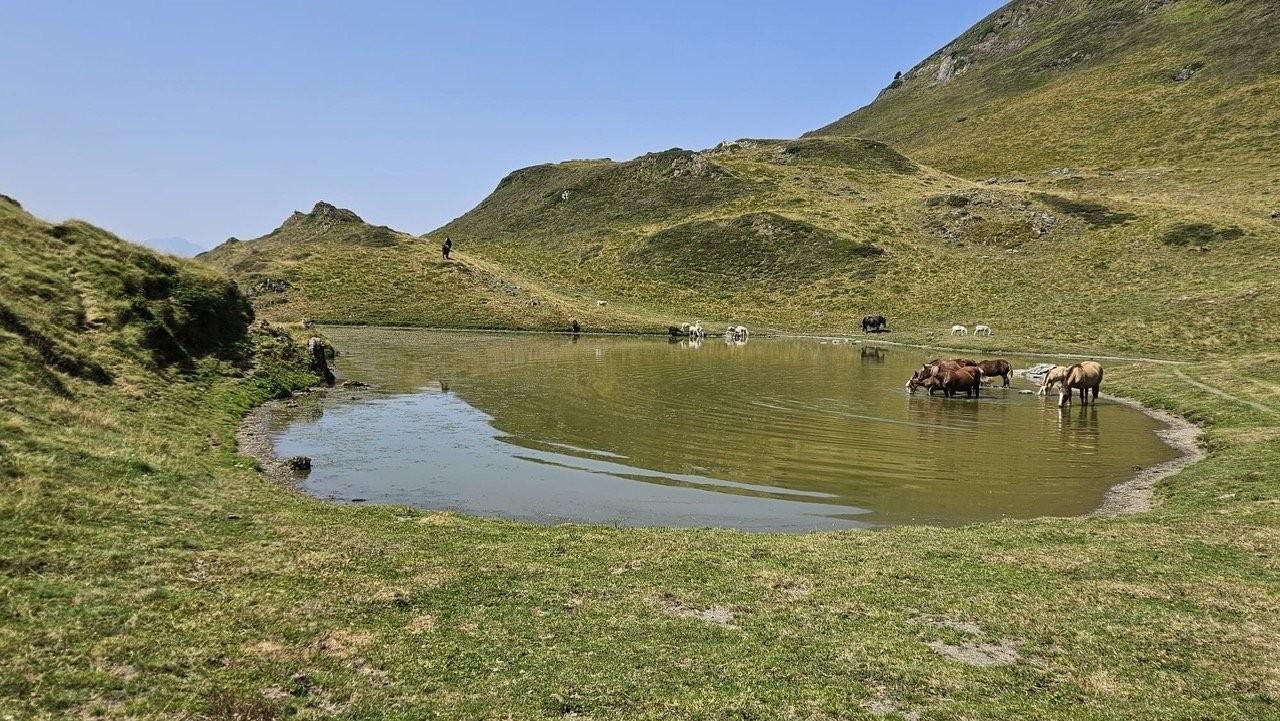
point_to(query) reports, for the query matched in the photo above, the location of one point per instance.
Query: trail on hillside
(1221, 393)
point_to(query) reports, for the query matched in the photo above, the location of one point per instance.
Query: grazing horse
(982, 330)
(1055, 374)
(1085, 376)
(875, 324)
(998, 367)
(959, 330)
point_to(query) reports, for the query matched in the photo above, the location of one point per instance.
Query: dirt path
(1221, 393)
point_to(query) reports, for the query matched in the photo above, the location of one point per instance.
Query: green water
(773, 434)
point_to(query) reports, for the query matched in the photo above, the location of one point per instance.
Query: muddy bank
(253, 438)
(1138, 493)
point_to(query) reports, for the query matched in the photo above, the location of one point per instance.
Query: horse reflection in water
(872, 355)
(936, 422)
(1079, 430)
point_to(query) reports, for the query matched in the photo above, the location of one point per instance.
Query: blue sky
(207, 120)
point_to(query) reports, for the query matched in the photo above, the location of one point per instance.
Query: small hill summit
(322, 214)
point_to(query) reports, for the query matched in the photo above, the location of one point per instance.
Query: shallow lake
(772, 434)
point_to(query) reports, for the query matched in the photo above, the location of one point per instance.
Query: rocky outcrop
(267, 285)
(323, 214)
(320, 353)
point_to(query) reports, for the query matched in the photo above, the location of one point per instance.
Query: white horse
(982, 330)
(959, 330)
(696, 332)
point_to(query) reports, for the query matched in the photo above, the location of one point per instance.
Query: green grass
(151, 572)
(1089, 87)
(147, 570)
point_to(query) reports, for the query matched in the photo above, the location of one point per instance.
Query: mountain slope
(670, 234)
(1174, 101)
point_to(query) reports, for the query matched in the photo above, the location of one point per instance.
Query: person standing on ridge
(448, 246)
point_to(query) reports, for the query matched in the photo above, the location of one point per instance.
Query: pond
(779, 434)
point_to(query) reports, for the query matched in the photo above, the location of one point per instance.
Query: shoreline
(252, 440)
(1137, 495)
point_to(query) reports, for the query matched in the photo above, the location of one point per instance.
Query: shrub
(1198, 234)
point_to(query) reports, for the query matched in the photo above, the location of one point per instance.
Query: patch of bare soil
(972, 652)
(978, 654)
(718, 615)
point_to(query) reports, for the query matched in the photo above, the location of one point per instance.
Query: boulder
(319, 352)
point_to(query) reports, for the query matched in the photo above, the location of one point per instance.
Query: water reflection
(778, 434)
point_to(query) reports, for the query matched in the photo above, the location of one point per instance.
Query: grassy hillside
(147, 570)
(807, 236)
(1173, 102)
(1097, 177)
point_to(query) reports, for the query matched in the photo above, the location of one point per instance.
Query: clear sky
(206, 119)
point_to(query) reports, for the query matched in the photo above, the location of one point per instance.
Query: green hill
(1169, 102)
(149, 570)
(78, 302)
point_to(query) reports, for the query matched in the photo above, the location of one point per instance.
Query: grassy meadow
(150, 570)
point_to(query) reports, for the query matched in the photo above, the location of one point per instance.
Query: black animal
(875, 324)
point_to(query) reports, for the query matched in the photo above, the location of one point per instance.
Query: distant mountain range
(174, 246)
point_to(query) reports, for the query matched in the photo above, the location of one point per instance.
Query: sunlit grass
(150, 571)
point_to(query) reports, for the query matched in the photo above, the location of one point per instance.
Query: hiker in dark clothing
(448, 246)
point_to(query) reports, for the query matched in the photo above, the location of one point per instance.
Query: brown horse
(935, 368)
(950, 382)
(998, 367)
(1085, 376)
(928, 370)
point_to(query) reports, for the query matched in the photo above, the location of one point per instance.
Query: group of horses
(953, 375)
(1085, 376)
